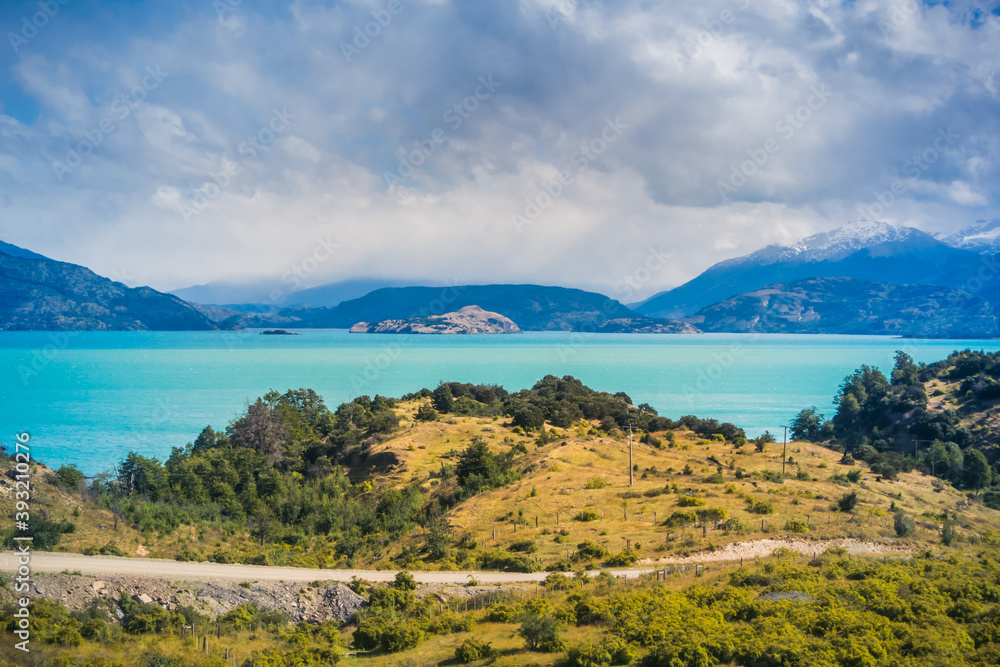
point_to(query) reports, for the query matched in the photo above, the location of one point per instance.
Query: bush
(596, 483)
(69, 477)
(623, 558)
(524, 547)
(904, 525)
(848, 501)
(426, 413)
(405, 582)
(611, 651)
(681, 518)
(949, 535)
(797, 526)
(711, 514)
(854, 476)
(471, 650)
(590, 550)
(505, 561)
(541, 633)
(501, 613)
(587, 515)
(760, 506)
(690, 501)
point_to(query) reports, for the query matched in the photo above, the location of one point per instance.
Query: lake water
(88, 398)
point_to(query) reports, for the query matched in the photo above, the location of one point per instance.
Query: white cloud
(701, 87)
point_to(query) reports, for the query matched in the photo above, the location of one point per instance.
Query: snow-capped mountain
(879, 237)
(982, 237)
(874, 251)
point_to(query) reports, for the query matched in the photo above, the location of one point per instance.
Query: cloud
(804, 111)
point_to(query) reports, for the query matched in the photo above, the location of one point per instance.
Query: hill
(942, 419)
(851, 306)
(37, 293)
(875, 252)
(467, 320)
(472, 477)
(531, 307)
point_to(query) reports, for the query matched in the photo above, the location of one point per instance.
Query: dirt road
(174, 570)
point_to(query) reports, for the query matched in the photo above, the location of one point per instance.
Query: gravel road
(42, 561)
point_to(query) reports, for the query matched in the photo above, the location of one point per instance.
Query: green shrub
(587, 515)
(755, 506)
(690, 501)
(796, 526)
(472, 650)
(541, 633)
(505, 561)
(623, 558)
(590, 550)
(681, 518)
(500, 612)
(524, 547)
(711, 514)
(404, 581)
(426, 413)
(610, 651)
(904, 525)
(596, 483)
(68, 477)
(848, 501)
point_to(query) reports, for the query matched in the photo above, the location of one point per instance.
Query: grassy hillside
(941, 419)
(382, 483)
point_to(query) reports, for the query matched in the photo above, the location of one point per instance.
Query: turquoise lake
(88, 398)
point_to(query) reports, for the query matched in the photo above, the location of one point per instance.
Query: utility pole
(784, 448)
(631, 471)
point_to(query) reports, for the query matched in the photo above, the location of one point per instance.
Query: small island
(279, 332)
(467, 320)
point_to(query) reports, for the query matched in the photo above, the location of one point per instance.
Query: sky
(622, 145)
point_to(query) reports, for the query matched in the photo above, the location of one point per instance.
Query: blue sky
(552, 141)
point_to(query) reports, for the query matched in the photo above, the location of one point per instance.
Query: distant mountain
(467, 320)
(37, 293)
(279, 295)
(14, 251)
(531, 307)
(982, 237)
(852, 306)
(877, 252)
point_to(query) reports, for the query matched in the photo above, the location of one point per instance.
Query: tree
(442, 399)
(69, 477)
(905, 372)
(541, 633)
(848, 501)
(807, 425)
(903, 524)
(425, 413)
(976, 472)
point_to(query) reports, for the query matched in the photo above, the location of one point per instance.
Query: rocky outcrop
(467, 320)
(316, 602)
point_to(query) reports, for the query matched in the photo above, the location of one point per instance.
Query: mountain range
(863, 278)
(40, 293)
(876, 252)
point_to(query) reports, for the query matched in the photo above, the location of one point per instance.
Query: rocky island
(467, 320)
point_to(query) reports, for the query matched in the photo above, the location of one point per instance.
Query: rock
(467, 320)
(145, 599)
(98, 586)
